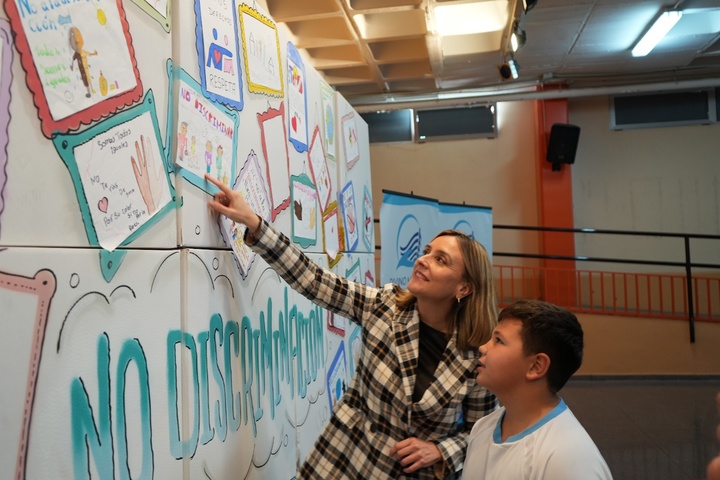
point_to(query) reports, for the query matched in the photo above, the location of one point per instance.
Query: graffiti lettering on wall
(255, 352)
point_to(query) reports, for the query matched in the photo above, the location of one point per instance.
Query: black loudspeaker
(562, 144)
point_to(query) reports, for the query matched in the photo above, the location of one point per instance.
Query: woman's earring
(458, 299)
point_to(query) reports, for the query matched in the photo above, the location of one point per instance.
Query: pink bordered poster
(78, 57)
(249, 183)
(277, 157)
(6, 58)
(319, 170)
(333, 241)
(29, 301)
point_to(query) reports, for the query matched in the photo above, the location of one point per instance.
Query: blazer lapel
(406, 329)
(452, 372)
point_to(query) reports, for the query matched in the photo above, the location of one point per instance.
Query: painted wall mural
(143, 338)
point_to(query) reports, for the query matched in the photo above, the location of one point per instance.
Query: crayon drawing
(218, 52)
(120, 175)
(332, 237)
(304, 210)
(159, 10)
(6, 58)
(277, 157)
(350, 140)
(368, 222)
(337, 377)
(261, 50)
(319, 170)
(297, 99)
(328, 116)
(347, 202)
(251, 185)
(79, 62)
(206, 136)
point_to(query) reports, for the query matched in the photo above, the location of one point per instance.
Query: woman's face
(438, 273)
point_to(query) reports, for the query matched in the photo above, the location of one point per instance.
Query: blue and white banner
(473, 220)
(408, 223)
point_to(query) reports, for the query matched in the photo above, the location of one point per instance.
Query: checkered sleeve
(321, 286)
(476, 405)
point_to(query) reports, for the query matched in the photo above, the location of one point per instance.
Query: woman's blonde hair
(475, 316)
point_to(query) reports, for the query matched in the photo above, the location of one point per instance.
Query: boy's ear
(539, 366)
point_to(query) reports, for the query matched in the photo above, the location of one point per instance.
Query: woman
(414, 397)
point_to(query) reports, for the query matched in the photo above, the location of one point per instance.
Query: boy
(534, 350)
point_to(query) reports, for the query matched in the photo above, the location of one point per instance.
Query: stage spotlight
(529, 4)
(517, 37)
(509, 70)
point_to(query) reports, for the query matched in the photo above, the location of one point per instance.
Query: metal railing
(686, 294)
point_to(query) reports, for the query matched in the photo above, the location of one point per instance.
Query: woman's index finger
(224, 188)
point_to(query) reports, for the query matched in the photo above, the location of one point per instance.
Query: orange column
(555, 202)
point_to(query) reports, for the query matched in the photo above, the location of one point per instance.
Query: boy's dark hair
(554, 331)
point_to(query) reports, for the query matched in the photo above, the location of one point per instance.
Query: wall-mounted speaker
(563, 143)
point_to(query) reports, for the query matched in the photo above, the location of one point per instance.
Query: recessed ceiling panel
(321, 32)
(391, 24)
(334, 57)
(377, 47)
(406, 70)
(289, 10)
(373, 4)
(474, 43)
(348, 75)
(399, 50)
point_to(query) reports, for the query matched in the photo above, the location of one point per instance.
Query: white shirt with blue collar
(557, 447)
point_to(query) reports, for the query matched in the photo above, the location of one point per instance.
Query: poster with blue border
(218, 48)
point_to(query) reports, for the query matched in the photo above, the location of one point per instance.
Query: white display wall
(142, 339)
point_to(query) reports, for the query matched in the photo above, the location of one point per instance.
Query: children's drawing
(336, 324)
(79, 60)
(354, 272)
(29, 299)
(159, 10)
(297, 99)
(6, 58)
(319, 170)
(350, 140)
(261, 50)
(354, 341)
(250, 184)
(337, 373)
(332, 238)
(120, 175)
(304, 210)
(277, 157)
(347, 199)
(369, 278)
(328, 116)
(368, 222)
(206, 138)
(218, 51)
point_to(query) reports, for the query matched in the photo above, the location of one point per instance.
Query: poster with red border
(78, 59)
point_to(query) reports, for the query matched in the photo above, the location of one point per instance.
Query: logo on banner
(465, 227)
(409, 241)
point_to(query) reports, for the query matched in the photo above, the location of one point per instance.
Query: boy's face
(503, 365)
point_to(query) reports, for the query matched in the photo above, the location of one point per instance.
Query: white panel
(101, 359)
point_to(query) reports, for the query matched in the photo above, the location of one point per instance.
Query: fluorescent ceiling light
(657, 32)
(469, 18)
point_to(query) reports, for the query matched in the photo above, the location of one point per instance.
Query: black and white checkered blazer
(377, 409)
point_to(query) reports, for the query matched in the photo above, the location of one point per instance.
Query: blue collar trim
(497, 433)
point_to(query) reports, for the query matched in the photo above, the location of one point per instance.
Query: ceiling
(385, 51)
